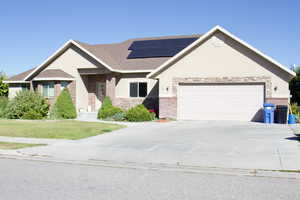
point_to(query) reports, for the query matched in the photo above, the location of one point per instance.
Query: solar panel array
(158, 48)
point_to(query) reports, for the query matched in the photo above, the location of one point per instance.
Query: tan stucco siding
(220, 56)
(70, 61)
(123, 81)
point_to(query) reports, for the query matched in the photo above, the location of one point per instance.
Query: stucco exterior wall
(122, 98)
(220, 56)
(123, 81)
(70, 61)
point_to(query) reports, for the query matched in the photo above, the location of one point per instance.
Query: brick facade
(168, 107)
(278, 101)
(126, 103)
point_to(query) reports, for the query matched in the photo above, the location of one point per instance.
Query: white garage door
(219, 102)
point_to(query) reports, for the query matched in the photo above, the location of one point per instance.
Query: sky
(32, 30)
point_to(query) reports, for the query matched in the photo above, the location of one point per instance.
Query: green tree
(295, 87)
(3, 86)
(64, 107)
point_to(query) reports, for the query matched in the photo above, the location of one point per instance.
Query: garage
(220, 101)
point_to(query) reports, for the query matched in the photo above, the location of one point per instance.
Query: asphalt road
(30, 180)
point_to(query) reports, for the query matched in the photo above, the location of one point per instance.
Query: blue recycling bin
(292, 119)
(269, 109)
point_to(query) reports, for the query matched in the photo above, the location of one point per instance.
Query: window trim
(48, 84)
(138, 89)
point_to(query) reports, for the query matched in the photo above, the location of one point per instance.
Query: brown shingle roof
(115, 55)
(21, 76)
(53, 73)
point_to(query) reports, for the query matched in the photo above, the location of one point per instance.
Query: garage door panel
(219, 102)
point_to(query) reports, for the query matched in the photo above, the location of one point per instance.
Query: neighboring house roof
(181, 54)
(53, 74)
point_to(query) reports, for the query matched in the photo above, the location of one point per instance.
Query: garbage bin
(269, 113)
(281, 114)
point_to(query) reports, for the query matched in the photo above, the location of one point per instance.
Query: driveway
(224, 144)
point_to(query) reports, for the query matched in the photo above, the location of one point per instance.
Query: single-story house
(214, 76)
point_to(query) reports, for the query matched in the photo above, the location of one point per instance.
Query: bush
(295, 109)
(120, 116)
(107, 110)
(64, 107)
(27, 105)
(32, 114)
(139, 113)
(3, 104)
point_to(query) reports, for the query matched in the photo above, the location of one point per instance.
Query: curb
(162, 167)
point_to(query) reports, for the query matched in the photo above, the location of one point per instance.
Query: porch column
(111, 86)
(31, 86)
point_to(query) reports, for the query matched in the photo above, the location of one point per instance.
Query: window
(25, 87)
(48, 89)
(64, 84)
(137, 89)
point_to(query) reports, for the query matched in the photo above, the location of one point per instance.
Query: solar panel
(153, 52)
(158, 48)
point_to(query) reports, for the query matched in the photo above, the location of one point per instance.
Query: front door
(100, 94)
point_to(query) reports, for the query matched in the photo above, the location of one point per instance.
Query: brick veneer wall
(278, 101)
(126, 103)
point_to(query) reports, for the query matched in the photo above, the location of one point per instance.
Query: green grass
(65, 129)
(15, 145)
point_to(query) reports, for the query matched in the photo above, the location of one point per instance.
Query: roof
(20, 77)
(116, 55)
(178, 56)
(53, 74)
(113, 56)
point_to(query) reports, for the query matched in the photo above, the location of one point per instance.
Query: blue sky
(32, 30)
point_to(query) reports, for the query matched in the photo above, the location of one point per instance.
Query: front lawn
(16, 145)
(67, 129)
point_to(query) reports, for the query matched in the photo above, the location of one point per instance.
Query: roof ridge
(143, 38)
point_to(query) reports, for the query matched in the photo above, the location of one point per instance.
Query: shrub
(32, 114)
(64, 107)
(295, 109)
(139, 113)
(120, 116)
(107, 110)
(3, 86)
(27, 104)
(3, 104)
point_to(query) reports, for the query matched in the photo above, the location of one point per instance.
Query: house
(214, 76)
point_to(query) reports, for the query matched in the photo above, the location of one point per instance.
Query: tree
(3, 86)
(64, 107)
(295, 87)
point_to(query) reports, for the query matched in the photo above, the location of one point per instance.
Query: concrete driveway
(224, 144)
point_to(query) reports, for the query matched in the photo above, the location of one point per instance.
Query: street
(23, 179)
